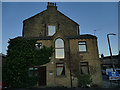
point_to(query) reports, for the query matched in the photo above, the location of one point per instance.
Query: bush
(21, 55)
(95, 86)
(83, 80)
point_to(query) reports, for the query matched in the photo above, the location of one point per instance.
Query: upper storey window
(51, 30)
(59, 48)
(82, 46)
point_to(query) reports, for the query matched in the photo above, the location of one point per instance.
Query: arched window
(59, 48)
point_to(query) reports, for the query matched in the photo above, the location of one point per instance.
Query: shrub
(21, 55)
(83, 80)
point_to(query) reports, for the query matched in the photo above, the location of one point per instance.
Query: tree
(21, 55)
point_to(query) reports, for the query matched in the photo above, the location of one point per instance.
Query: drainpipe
(70, 63)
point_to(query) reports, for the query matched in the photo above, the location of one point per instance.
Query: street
(66, 89)
(108, 84)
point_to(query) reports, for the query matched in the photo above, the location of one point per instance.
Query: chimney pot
(51, 4)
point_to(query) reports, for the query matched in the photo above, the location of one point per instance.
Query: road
(108, 84)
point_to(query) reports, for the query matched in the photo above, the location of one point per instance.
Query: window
(60, 69)
(82, 46)
(38, 45)
(51, 30)
(59, 48)
(84, 68)
(33, 72)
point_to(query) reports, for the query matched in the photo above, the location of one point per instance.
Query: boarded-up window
(60, 69)
(84, 68)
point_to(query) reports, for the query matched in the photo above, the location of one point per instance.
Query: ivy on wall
(21, 55)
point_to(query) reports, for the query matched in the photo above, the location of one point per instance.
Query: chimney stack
(51, 5)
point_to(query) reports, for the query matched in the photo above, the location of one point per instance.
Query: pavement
(110, 84)
(107, 85)
(66, 89)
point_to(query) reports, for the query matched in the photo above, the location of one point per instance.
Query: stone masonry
(68, 30)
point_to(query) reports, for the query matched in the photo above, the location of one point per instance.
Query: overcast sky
(102, 17)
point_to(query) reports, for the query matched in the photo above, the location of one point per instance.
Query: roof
(84, 36)
(41, 38)
(46, 11)
(34, 15)
(38, 38)
(67, 17)
(108, 57)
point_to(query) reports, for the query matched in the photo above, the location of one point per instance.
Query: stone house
(52, 28)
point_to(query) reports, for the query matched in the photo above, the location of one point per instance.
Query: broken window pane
(51, 30)
(60, 69)
(38, 45)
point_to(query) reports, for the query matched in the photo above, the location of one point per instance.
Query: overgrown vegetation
(83, 80)
(21, 55)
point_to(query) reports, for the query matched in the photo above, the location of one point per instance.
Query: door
(42, 76)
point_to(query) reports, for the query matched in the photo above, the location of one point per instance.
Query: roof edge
(67, 17)
(84, 36)
(33, 16)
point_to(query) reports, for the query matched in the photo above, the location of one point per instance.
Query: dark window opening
(33, 72)
(60, 69)
(84, 68)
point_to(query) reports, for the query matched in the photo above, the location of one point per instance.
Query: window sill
(83, 52)
(60, 59)
(61, 76)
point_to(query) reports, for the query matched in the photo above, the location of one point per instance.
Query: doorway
(42, 76)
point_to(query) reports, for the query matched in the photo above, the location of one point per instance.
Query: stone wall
(36, 26)
(91, 56)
